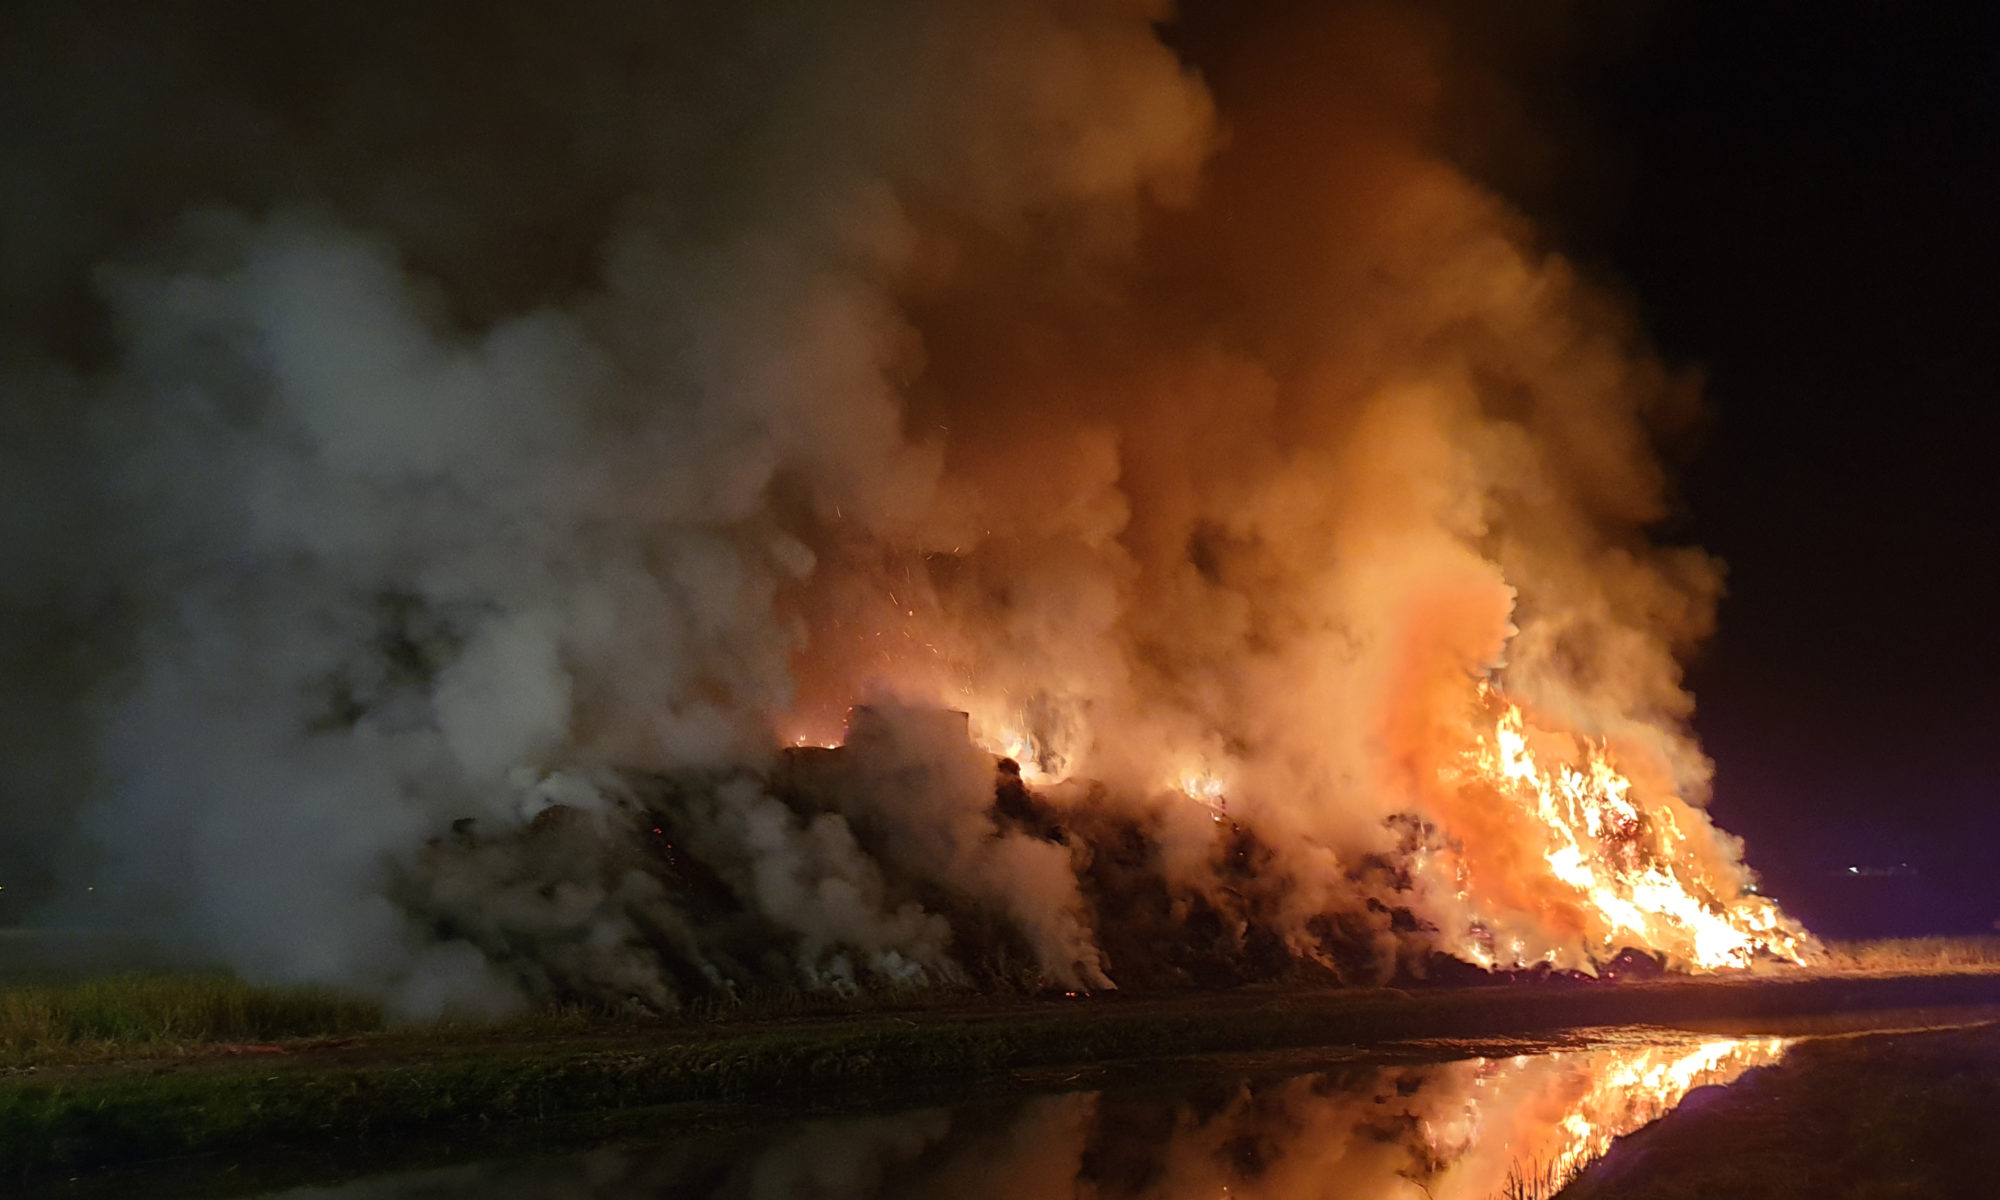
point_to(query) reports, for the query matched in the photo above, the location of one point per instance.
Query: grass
(1913, 956)
(130, 1015)
(1536, 1180)
(143, 1015)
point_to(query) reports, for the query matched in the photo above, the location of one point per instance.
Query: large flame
(1616, 866)
(1546, 850)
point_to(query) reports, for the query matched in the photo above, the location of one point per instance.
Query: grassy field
(142, 1067)
(148, 1015)
(1913, 956)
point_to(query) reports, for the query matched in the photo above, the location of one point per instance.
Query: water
(1456, 1130)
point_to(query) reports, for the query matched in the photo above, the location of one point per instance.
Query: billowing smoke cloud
(447, 451)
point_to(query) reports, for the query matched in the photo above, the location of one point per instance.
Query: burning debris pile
(1614, 867)
(438, 486)
(830, 870)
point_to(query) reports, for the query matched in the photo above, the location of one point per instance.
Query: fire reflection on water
(1552, 1115)
(1434, 1131)
(1452, 1131)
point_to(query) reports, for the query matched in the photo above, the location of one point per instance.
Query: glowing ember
(1042, 764)
(1619, 861)
(804, 735)
(1018, 747)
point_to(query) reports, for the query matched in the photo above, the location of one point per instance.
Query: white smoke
(376, 552)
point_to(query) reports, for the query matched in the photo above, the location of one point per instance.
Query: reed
(1914, 956)
(128, 1014)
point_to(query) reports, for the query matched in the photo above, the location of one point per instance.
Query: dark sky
(1805, 201)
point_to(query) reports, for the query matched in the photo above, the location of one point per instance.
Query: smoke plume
(450, 450)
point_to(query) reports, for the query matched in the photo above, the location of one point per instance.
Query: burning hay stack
(650, 391)
(697, 885)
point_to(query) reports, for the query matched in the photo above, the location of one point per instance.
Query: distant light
(1854, 870)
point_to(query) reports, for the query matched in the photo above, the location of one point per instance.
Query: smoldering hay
(457, 458)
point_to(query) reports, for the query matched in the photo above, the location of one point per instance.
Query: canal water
(1467, 1129)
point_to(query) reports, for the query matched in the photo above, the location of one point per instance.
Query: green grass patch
(136, 1014)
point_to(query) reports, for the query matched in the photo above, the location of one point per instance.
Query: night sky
(1803, 200)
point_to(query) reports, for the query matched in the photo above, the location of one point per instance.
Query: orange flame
(1000, 729)
(1206, 789)
(1621, 863)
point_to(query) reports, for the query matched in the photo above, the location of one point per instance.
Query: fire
(1623, 863)
(801, 732)
(1526, 844)
(1002, 729)
(1205, 789)
(1009, 743)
